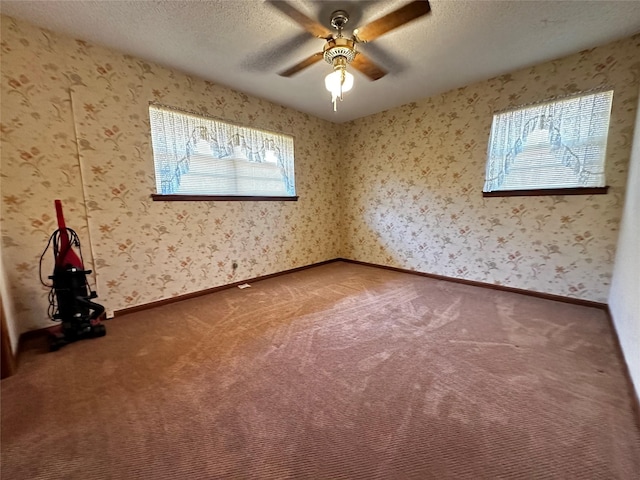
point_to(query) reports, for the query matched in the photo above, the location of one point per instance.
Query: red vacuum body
(70, 297)
(66, 256)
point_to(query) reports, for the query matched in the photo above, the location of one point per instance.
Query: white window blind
(197, 155)
(557, 144)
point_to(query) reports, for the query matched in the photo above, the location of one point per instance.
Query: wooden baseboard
(8, 356)
(35, 335)
(492, 286)
(635, 398)
(45, 331)
(41, 332)
(199, 293)
(186, 296)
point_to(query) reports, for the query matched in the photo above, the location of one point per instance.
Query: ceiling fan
(340, 51)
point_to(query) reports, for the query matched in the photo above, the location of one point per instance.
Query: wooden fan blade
(311, 26)
(392, 20)
(302, 65)
(366, 66)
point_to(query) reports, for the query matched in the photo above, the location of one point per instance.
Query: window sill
(548, 191)
(219, 198)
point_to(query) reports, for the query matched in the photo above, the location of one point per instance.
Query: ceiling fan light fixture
(340, 51)
(338, 82)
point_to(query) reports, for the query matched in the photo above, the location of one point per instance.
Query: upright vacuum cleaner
(70, 296)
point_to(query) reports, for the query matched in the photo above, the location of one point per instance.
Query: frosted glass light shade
(337, 83)
(332, 82)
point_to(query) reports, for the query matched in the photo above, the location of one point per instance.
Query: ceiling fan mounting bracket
(339, 18)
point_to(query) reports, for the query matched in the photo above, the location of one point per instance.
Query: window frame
(169, 197)
(587, 190)
(183, 197)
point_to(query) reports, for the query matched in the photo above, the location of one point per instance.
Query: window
(549, 147)
(197, 156)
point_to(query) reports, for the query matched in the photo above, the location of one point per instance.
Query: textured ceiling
(243, 43)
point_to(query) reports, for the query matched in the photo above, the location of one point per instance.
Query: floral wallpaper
(406, 193)
(413, 185)
(75, 126)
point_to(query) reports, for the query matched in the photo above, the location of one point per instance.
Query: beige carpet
(337, 372)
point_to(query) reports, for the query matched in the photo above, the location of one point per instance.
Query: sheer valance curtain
(556, 144)
(178, 135)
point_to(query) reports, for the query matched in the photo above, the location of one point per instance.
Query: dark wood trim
(548, 191)
(186, 296)
(33, 334)
(166, 301)
(492, 286)
(8, 360)
(219, 198)
(199, 293)
(634, 395)
(30, 335)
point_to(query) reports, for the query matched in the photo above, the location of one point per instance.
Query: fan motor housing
(339, 47)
